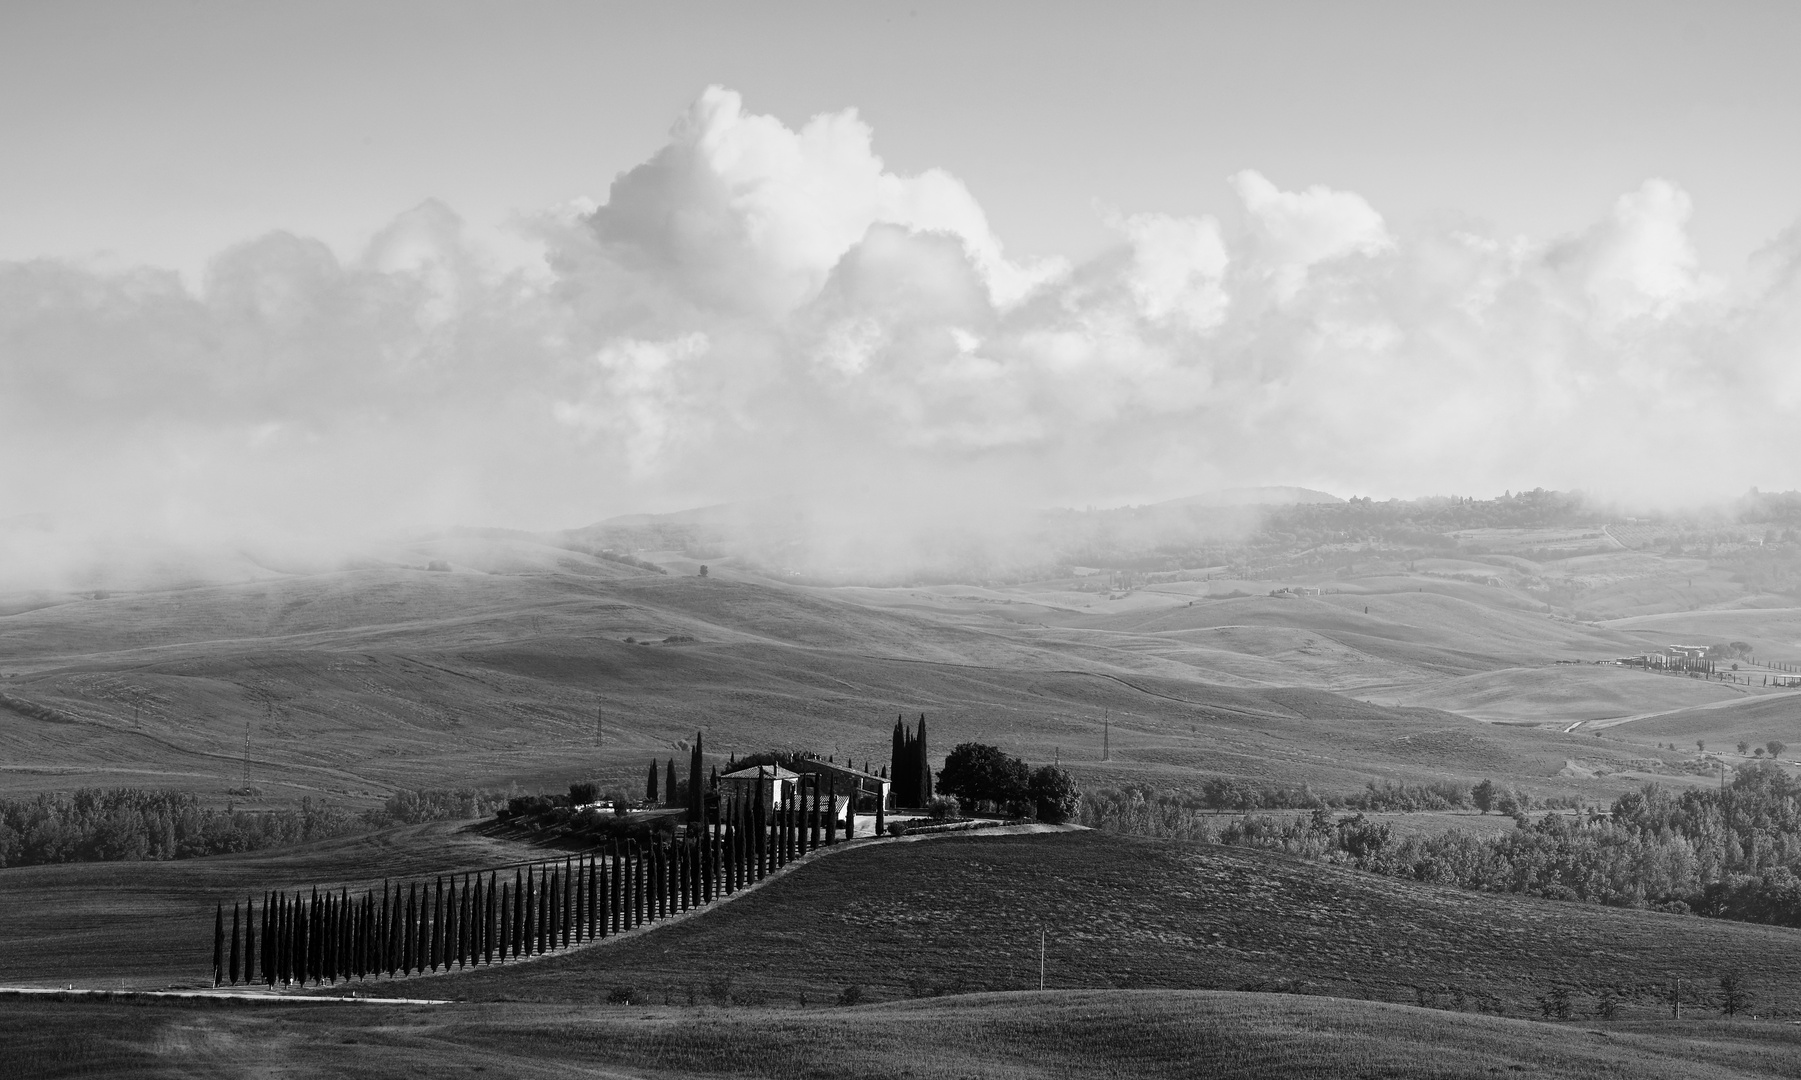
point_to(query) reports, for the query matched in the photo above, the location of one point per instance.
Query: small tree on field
(1776, 747)
(1701, 746)
(1483, 795)
(1743, 747)
(1734, 998)
(1054, 793)
(978, 773)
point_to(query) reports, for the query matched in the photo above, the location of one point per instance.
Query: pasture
(1067, 1034)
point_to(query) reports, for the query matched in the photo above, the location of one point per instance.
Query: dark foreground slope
(964, 914)
(1071, 1034)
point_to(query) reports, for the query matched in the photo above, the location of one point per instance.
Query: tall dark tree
(568, 908)
(219, 946)
(697, 795)
(669, 789)
(328, 939)
(276, 955)
(831, 813)
(880, 827)
(897, 757)
(531, 912)
(493, 919)
(922, 761)
(409, 932)
(516, 933)
(506, 921)
(253, 933)
(436, 940)
(650, 784)
(231, 963)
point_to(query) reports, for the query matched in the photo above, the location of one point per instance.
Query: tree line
(132, 824)
(457, 921)
(1731, 853)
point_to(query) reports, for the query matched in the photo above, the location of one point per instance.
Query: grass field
(351, 684)
(1069, 1034)
(963, 914)
(149, 925)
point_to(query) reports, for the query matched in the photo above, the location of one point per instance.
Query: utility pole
(1107, 736)
(1041, 958)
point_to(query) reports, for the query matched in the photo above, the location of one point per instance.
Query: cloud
(765, 309)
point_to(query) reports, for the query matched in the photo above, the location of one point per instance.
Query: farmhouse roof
(761, 772)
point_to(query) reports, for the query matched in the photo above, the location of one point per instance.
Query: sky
(334, 267)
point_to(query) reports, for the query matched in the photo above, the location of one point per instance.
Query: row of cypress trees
(910, 770)
(460, 921)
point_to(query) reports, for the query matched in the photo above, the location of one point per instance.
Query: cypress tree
(669, 783)
(728, 853)
(578, 912)
(473, 954)
(506, 920)
(831, 814)
(516, 929)
(923, 762)
(615, 890)
(232, 962)
(315, 939)
(409, 929)
(697, 795)
(527, 931)
(567, 910)
(278, 938)
(296, 940)
(303, 939)
(813, 823)
(328, 938)
(493, 916)
(594, 918)
(650, 784)
(850, 810)
(436, 936)
(880, 827)
(453, 923)
(549, 910)
(898, 755)
(263, 937)
(251, 933)
(396, 920)
(219, 946)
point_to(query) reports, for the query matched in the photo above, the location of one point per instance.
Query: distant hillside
(1256, 496)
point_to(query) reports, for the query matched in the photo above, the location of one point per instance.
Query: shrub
(583, 792)
(944, 808)
(897, 828)
(624, 995)
(850, 995)
(1054, 794)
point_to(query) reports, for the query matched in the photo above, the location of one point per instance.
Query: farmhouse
(776, 784)
(866, 788)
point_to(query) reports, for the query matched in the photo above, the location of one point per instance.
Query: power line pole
(1041, 958)
(1107, 736)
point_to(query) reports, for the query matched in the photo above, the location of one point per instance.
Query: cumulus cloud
(761, 309)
